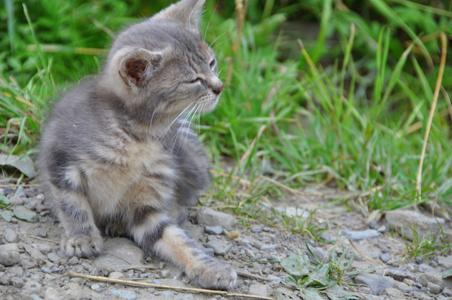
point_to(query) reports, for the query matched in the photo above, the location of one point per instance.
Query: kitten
(117, 155)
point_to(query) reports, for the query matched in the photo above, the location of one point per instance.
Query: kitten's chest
(112, 182)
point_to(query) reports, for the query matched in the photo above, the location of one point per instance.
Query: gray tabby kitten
(118, 156)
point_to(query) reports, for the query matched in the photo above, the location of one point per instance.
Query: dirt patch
(33, 267)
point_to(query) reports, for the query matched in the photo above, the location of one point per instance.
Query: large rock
(120, 252)
(360, 235)
(210, 217)
(402, 220)
(432, 281)
(376, 283)
(9, 258)
(260, 289)
(445, 261)
(400, 274)
(219, 246)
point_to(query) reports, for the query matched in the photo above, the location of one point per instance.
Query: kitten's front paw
(217, 276)
(82, 245)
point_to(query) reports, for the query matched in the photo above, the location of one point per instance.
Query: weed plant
(348, 108)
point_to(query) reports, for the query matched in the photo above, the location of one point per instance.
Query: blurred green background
(330, 92)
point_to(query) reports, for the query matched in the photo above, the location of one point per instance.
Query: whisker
(216, 39)
(183, 125)
(175, 119)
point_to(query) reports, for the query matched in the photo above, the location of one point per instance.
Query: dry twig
(431, 114)
(167, 287)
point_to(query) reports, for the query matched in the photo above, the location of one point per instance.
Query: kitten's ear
(186, 11)
(136, 67)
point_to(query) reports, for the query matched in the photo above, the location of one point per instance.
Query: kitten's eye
(195, 80)
(212, 64)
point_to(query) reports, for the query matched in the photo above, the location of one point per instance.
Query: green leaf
(319, 275)
(7, 215)
(447, 273)
(4, 202)
(311, 294)
(337, 293)
(23, 163)
(23, 213)
(296, 265)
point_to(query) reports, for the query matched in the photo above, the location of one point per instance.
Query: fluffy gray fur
(118, 155)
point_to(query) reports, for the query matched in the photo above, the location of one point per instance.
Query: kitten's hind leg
(157, 233)
(81, 237)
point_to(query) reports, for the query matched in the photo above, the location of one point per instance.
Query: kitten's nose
(218, 89)
(216, 85)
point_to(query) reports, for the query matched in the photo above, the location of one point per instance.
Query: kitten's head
(163, 66)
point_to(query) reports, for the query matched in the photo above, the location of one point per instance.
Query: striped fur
(118, 156)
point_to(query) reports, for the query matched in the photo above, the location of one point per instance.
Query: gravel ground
(32, 266)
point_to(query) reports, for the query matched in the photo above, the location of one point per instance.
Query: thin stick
(42, 239)
(160, 286)
(432, 112)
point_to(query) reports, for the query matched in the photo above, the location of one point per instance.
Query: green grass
(348, 109)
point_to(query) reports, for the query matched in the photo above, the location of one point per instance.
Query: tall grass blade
(324, 26)
(387, 11)
(10, 12)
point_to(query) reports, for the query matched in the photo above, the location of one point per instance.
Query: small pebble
(214, 229)
(373, 225)
(394, 293)
(95, 272)
(73, 260)
(268, 247)
(385, 249)
(20, 192)
(385, 257)
(208, 251)
(447, 292)
(17, 282)
(405, 288)
(30, 193)
(53, 257)
(124, 294)
(381, 229)
(256, 229)
(425, 268)
(400, 274)
(115, 275)
(97, 288)
(10, 235)
(52, 294)
(42, 233)
(16, 200)
(7, 191)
